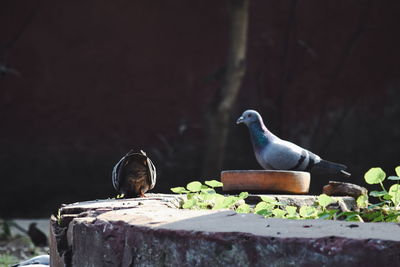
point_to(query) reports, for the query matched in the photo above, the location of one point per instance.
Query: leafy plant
(204, 196)
(5, 231)
(7, 260)
(388, 207)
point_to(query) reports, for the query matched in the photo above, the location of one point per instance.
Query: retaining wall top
(153, 231)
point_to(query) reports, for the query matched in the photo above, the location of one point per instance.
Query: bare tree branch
(219, 114)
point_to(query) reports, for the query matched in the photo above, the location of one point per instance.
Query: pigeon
(134, 174)
(273, 153)
(38, 238)
(38, 261)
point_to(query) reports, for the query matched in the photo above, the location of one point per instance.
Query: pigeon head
(248, 117)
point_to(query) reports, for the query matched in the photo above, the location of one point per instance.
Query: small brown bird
(38, 238)
(134, 174)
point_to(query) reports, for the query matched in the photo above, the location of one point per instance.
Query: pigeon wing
(284, 155)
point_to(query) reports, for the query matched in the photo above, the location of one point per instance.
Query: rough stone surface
(151, 232)
(335, 188)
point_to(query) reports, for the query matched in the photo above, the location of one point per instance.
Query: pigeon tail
(330, 168)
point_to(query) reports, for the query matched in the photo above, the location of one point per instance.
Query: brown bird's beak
(240, 120)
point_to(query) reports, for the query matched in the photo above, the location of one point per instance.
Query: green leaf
(178, 190)
(194, 186)
(264, 212)
(278, 213)
(190, 195)
(353, 218)
(397, 169)
(377, 193)
(260, 206)
(393, 178)
(349, 216)
(218, 201)
(362, 201)
(243, 195)
(205, 196)
(328, 214)
(208, 191)
(324, 215)
(229, 201)
(268, 199)
(264, 206)
(307, 211)
(190, 203)
(291, 210)
(295, 216)
(378, 205)
(392, 217)
(244, 208)
(324, 200)
(371, 215)
(380, 218)
(213, 183)
(374, 176)
(394, 191)
(387, 197)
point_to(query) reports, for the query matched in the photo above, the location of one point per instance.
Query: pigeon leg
(142, 193)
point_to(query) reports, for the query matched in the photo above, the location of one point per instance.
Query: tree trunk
(219, 114)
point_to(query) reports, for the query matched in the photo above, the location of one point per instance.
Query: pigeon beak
(240, 120)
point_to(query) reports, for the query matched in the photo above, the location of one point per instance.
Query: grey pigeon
(42, 260)
(273, 153)
(134, 174)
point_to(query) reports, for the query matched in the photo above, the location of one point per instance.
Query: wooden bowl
(266, 180)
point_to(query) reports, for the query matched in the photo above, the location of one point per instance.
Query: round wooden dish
(266, 180)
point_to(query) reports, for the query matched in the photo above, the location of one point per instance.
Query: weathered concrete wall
(152, 233)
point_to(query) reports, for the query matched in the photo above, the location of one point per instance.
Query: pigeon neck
(260, 136)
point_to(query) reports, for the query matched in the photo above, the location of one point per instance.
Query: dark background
(88, 80)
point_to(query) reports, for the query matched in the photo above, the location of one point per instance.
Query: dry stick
(14, 224)
(348, 48)
(219, 118)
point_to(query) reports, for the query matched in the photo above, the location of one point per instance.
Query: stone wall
(152, 232)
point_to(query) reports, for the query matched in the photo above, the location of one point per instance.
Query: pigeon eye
(249, 115)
